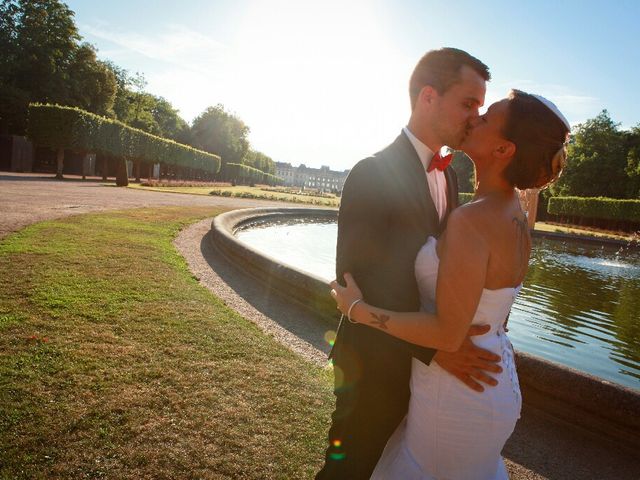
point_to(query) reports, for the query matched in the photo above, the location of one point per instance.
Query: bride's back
(503, 227)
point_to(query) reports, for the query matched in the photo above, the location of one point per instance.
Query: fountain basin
(597, 405)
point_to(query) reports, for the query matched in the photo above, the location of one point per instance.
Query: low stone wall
(304, 287)
(601, 407)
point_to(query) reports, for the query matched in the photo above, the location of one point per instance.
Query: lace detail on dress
(509, 362)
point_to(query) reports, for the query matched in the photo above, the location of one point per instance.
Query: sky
(326, 82)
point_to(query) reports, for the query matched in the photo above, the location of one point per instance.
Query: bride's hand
(345, 296)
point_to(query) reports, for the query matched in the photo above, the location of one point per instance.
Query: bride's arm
(461, 278)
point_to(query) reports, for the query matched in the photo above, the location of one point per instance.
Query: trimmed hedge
(57, 127)
(270, 196)
(239, 173)
(600, 208)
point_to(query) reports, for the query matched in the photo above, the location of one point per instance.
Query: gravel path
(27, 198)
(288, 322)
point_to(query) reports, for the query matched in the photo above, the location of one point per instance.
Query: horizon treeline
(603, 161)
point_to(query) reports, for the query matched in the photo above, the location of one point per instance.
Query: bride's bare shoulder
(482, 210)
(466, 234)
(467, 221)
(472, 212)
(472, 222)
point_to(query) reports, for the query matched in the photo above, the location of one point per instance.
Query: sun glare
(325, 73)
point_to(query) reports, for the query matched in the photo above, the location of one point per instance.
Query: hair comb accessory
(552, 106)
(559, 160)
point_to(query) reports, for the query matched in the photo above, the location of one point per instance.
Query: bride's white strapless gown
(452, 432)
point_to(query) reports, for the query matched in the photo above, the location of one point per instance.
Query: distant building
(323, 179)
(286, 172)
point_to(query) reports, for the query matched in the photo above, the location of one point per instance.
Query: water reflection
(586, 301)
(309, 245)
(579, 305)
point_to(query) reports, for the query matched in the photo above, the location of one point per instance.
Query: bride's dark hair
(539, 136)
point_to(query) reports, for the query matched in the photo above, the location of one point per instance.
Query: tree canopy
(259, 161)
(632, 140)
(217, 131)
(465, 172)
(602, 161)
(140, 109)
(42, 60)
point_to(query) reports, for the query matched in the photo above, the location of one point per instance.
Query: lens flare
(337, 455)
(330, 337)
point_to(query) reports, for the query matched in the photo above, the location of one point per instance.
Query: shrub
(299, 191)
(244, 174)
(181, 183)
(264, 196)
(600, 208)
(58, 127)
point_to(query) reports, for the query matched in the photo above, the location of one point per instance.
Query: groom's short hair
(441, 69)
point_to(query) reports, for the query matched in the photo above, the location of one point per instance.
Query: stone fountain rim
(593, 403)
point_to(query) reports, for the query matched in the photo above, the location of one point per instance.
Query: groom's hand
(470, 363)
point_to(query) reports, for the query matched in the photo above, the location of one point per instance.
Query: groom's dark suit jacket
(386, 215)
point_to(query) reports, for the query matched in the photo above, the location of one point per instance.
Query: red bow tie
(439, 162)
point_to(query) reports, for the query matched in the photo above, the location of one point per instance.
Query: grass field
(246, 192)
(116, 363)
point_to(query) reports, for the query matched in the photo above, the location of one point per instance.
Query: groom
(391, 203)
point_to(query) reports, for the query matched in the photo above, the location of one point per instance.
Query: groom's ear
(427, 94)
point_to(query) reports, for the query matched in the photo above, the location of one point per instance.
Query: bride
(470, 275)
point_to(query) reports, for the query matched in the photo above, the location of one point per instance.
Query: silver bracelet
(355, 302)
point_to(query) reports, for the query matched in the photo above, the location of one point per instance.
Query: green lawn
(246, 192)
(116, 363)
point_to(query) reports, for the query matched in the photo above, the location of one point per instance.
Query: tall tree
(220, 132)
(121, 101)
(259, 160)
(41, 60)
(12, 98)
(169, 122)
(47, 38)
(36, 41)
(465, 171)
(92, 84)
(596, 162)
(153, 114)
(632, 138)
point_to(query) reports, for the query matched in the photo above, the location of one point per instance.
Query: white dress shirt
(435, 178)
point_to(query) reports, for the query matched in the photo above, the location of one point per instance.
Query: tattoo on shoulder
(380, 321)
(521, 224)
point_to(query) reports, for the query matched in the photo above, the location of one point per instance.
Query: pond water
(580, 304)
